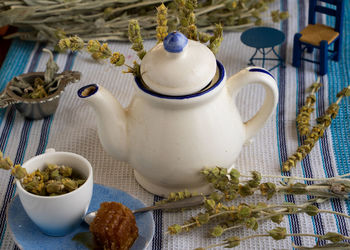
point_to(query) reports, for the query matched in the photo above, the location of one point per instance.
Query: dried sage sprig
(246, 215)
(175, 196)
(303, 118)
(278, 233)
(277, 16)
(216, 39)
(100, 51)
(187, 18)
(73, 43)
(136, 38)
(51, 181)
(317, 132)
(228, 186)
(51, 68)
(189, 28)
(162, 22)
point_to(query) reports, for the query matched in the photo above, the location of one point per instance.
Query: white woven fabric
(74, 129)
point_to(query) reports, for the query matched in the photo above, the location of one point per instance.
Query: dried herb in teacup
(51, 181)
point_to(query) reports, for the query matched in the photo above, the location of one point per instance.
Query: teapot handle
(261, 76)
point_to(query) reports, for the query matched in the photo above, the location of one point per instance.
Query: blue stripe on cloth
(45, 129)
(12, 112)
(44, 135)
(317, 222)
(70, 61)
(327, 165)
(280, 120)
(11, 188)
(19, 49)
(21, 149)
(325, 150)
(36, 58)
(318, 225)
(157, 241)
(7, 128)
(338, 78)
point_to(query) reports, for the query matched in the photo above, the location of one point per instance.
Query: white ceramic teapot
(182, 118)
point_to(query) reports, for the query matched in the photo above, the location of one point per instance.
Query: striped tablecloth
(73, 128)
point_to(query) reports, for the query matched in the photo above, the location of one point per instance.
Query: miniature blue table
(263, 39)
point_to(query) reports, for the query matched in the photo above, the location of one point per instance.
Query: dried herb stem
(334, 212)
(202, 11)
(136, 38)
(229, 187)
(227, 218)
(278, 233)
(284, 211)
(298, 178)
(303, 118)
(317, 132)
(162, 22)
(267, 212)
(263, 218)
(323, 190)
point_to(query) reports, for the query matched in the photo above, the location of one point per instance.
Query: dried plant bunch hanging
(303, 118)
(51, 20)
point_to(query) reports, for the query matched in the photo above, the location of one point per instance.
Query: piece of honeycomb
(114, 227)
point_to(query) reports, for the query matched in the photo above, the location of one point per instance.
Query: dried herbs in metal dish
(36, 94)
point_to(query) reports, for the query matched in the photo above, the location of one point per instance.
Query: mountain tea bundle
(51, 20)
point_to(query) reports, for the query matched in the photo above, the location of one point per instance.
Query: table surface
(73, 128)
(262, 37)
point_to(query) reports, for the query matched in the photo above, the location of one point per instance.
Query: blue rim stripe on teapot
(150, 92)
(262, 71)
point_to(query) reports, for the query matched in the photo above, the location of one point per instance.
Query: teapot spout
(111, 119)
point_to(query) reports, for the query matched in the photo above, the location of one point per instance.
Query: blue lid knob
(175, 42)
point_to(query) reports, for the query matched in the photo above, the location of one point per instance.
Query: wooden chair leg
(296, 50)
(323, 58)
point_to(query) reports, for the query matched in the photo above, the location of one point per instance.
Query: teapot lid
(178, 66)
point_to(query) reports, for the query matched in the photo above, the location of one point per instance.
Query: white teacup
(58, 215)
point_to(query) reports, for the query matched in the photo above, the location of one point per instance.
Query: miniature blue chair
(320, 36)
